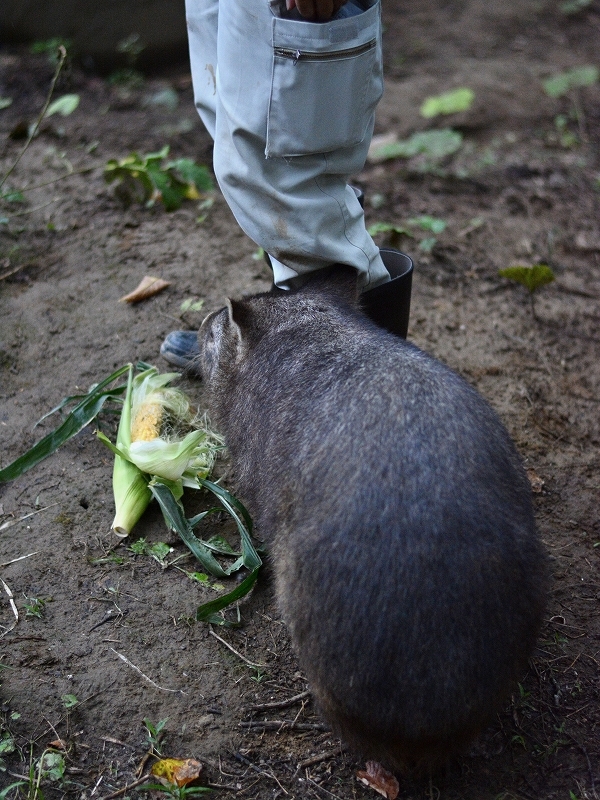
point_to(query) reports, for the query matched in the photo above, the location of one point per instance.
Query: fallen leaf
(379, 779)
(537, 483)
(177, 771)
(148, 287)
(58, 744)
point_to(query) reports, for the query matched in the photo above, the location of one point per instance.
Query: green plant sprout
(448, 103)
(69, 701)
(51, 48)
(394, 232)
(158, 551)
(425, 222)
(532, 278)
(147, 178)
(566, 138)
(570, 83)
(35, 607)
(155, 734)
(577, 78)
(191, 305)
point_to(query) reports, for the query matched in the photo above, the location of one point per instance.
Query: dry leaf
(537, 483)
(177, 771)
(148, 287)
(58, 744)
(379, 779)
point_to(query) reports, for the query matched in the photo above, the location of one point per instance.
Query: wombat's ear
(239, 319)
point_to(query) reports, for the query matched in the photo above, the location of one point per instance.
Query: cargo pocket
(326, 81)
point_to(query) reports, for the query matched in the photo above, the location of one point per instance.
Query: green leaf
(191, 172)
(426, 245)
(64, 106)
(242, 519)
(388, 227)
(5, 792)
(219, 544)
(561, 84)
(83, 413)
(448, 103)
(435, 144)
(69, 700)
(175, 519)
(115, 394)
(206, 612)
(427, 223)
(531, 277)
(172, 194)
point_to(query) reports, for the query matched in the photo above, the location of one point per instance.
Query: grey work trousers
(290, 105)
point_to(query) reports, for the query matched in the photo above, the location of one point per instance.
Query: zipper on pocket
(335, 55)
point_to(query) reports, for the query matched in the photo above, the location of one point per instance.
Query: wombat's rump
(396, 511)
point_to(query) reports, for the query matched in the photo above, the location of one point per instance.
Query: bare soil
(513, 194)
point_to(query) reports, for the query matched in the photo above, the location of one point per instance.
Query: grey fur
(397, 514)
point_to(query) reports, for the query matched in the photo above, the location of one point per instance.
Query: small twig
(240, 757)
(68, 174)
(284, 725)
(112, 740)
(13, 607)
(325, 791)
(137, 669)
(280, 703)
(308, 762)
(12, 522)
(20, 558)
(36, 208)
(127, 787)
(98, 782)
(142, 765)
(62, 54)
(233, 650)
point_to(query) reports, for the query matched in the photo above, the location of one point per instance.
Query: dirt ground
(514, 194)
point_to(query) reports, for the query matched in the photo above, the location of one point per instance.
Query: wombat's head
(226, 336)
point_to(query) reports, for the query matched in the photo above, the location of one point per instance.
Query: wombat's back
(399, 519)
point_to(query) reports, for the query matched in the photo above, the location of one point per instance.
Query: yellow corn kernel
(146, 424)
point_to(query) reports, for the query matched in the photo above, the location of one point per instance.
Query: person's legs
(202, 23)
(284, 149)
(290, 105)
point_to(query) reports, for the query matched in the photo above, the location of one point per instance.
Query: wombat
(396, 512)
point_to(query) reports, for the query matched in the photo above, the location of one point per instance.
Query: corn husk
(130, 485)
(160, 437)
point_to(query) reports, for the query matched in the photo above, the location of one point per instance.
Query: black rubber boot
(180, 348)
(388, 305)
